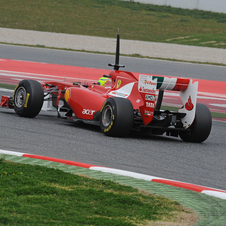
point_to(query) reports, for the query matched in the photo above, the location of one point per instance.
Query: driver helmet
(103, 81)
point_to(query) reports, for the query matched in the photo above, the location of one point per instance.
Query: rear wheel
(201, 127)
(28, 98)
(116, 117)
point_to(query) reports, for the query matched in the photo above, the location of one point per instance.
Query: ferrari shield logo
(118, 83)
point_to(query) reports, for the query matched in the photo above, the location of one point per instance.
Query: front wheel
(28, 98)
(116, 118)
(201, 127)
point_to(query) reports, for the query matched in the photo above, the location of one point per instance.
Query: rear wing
(148, 85)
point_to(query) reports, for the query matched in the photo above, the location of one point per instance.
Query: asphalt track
(100, 61)
(211, 92)
(165, 157)
(202, 164)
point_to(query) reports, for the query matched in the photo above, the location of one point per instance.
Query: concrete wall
(206, 5)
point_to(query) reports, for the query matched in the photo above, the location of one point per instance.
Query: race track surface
(167, 157)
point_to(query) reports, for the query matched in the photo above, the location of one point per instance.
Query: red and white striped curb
(197, 188)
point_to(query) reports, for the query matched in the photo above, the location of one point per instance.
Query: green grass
(36, 195)
(7, 86)
(102, 18)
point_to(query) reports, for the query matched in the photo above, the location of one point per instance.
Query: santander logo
(189, 105)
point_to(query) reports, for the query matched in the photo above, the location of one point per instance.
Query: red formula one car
(125, 103)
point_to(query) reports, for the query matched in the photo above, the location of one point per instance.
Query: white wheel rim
(20, 97)
(107, 115)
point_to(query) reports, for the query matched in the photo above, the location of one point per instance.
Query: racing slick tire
(116, 118)
(28, 98)
(201, 127)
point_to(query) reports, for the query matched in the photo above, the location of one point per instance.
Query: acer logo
(88, 112)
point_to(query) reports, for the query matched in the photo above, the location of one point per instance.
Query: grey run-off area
(107, 45)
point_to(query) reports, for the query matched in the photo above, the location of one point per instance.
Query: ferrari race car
(121, 104)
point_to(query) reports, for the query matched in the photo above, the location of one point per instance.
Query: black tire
(116, 118)
(28, 98)
(201, 127)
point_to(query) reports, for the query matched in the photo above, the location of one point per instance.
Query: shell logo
(67, 95)
(148, 82)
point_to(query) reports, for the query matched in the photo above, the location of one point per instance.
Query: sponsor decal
(103, 106)
(124, 91)
(119, 83)
(15, 91)
(119, 94)
(109, 127)
(150, 105)
(148, 113)
(145, 90)
(26, 101)
(146, 84)
(67, 95)
(189, 105)
(150, 97)
(88, 112)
